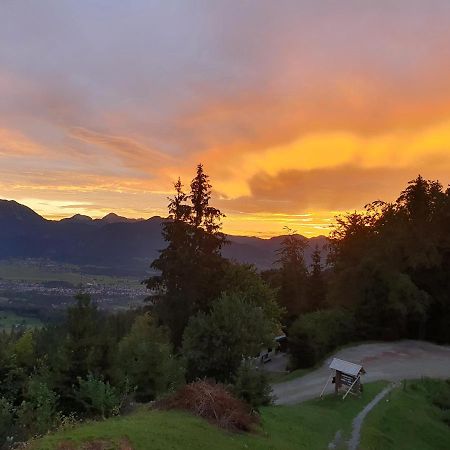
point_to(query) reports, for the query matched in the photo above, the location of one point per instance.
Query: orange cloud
(131, 152)
(305, 109)
(14, 144)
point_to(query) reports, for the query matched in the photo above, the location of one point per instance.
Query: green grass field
(37, 271)
(311, 425)
(408, 420)
(8, 319)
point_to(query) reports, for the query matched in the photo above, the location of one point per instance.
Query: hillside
(407, 420)
(112, 244)
(310, 425)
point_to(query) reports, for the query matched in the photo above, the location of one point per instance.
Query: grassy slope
(8, 319)
(407, 421)
(311, 425)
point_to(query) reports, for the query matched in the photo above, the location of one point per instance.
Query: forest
(385, 275)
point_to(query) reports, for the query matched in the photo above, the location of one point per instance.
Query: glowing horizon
(299, 111)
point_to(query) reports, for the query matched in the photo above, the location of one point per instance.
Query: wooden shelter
(346, 376)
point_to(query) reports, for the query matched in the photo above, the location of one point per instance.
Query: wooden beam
(326, 384)
(350, 388)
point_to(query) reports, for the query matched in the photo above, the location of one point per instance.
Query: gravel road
(390, 361)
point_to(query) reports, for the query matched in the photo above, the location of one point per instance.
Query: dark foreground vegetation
(388, 276)
(206, 317)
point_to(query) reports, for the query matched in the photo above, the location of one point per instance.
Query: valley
(35, 291)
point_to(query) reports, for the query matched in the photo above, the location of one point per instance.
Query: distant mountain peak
(16, 211)
(114, 244)
(115, 218)
(78, 218)
(112, 215)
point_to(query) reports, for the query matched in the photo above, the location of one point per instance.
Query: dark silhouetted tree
(190, 268)
(316, 282)
(292, 275)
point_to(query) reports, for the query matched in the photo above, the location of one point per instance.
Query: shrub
(215, 343)
(446, 417)
(314, 335)
(146, 360)
(37, 414)
(97, 397)
(441, 397)
(438, 391)
(213, 402)
(252, 385)
(438, 394)
(6, 420)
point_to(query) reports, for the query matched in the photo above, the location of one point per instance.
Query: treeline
(387, 277)
(384, 276)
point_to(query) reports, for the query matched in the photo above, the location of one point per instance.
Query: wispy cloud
(131, 152)
(14, 144)
(293, 106)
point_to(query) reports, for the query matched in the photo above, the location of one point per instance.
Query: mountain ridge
(112, 243)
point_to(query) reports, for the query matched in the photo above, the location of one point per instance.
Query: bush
(37, 414)
(314, 335)
(252, 385)
(438, 391)
(438, 394)
(6, 420)
(97, 397)
(146, 360)
(215, 343)
(446, 417)
(213, 402)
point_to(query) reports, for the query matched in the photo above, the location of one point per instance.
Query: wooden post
(350, 388)
(326, 384)
(337, 383)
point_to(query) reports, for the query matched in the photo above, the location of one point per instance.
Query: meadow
(406, 419)
(310, 425)
(410, 418)
(9, 319)
(39, 271)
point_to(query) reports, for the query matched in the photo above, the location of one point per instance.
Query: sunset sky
(299, 110)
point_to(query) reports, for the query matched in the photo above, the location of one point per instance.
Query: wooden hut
(345, 376)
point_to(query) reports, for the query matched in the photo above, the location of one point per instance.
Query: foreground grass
(407, 419)
(310, 425)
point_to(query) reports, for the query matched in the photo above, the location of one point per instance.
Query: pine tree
(316, 282)
(191, 266)
(292, 275)
(83, 350)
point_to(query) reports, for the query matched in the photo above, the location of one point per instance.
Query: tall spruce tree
(191, 266)
(292, 275)
(316, 282)
(81, 351)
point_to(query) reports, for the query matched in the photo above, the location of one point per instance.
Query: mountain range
(112, 244)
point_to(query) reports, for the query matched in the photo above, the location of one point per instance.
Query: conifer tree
(316, 282)
(191, 266)
(292, 275)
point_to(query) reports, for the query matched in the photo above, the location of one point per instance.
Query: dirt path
(359, 419)
(390, 361)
